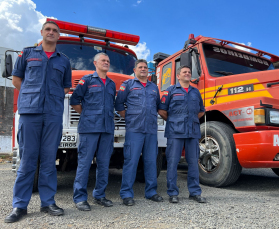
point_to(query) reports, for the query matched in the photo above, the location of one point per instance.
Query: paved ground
(250, 203)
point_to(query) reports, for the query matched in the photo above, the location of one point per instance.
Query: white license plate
(69, 138)
(68, 145)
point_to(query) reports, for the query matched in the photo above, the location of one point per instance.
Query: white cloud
(242, 48)
(138, 2)
(141, 50)
(20, 24)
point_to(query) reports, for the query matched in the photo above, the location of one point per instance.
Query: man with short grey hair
(97, 56)
(94, 99)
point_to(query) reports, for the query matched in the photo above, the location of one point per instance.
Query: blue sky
(165, 25)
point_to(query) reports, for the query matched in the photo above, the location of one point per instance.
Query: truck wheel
(218, 163)
(276, 171)
(36, 178)
(140, 171)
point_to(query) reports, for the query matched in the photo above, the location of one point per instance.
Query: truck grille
(74, 118)
(76, 83)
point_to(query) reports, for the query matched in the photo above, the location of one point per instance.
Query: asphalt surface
(252, 202)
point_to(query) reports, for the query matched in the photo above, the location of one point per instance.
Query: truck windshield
(222, 61)
(81, 57)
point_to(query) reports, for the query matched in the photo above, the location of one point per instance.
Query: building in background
(151, 67)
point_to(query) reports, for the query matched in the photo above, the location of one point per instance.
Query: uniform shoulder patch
(81, 82)
(26, 50)
(165, 93)
(122, 88)
(20, 54)
(124, 85)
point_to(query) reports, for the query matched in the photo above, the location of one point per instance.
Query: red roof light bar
(122, 36)
(96, 33)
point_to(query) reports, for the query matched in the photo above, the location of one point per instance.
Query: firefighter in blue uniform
(94, 99)
(142, 100)
(43, 76)
(182, 106)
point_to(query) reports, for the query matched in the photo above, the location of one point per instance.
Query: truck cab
(239, 86)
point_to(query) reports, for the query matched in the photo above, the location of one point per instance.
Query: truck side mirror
(196, 60)
(186, 59)
(8, 66)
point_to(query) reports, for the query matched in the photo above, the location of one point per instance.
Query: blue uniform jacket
(142, 105)
(97, 102)
(43, 81)
(183, 109)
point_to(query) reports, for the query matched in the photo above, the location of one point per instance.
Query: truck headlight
(160, 121)
(274, 117)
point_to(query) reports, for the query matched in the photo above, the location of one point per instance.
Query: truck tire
(218, 165)
(276, 171)
(36, 178)
(140, 172)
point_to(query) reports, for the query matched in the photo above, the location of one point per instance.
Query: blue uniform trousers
(38, 136)
(102, 144)
(173, 154)
(135, 144)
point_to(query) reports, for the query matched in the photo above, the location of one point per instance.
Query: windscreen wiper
(212, 101)
(224, 73)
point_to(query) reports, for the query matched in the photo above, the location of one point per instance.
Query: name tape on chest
(178, 95)
(135, 88)
(34, 59)
(95, 85)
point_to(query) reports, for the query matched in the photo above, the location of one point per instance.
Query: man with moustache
(94, 99)
(142, 100)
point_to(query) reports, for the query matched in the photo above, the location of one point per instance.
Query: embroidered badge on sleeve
(163, 100)
(20, 54)
(81, 82)
(122, 88)
(165, 93)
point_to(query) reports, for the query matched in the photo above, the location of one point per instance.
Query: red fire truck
(80, 49)
(239, 86)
